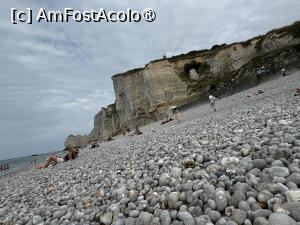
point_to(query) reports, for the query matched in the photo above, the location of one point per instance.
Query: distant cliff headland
(144, 95)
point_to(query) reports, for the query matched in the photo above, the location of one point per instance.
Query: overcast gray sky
(54, 77)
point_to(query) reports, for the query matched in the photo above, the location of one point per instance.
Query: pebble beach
(239, 165)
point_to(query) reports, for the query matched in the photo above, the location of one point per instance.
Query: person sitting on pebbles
(137, 131)
(167, 120)
(53, 159)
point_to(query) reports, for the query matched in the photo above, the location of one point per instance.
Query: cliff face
(106, 124)
(144, 95)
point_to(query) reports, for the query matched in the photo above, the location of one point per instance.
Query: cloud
(55, 77)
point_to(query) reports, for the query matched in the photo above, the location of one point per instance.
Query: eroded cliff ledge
(144, 95)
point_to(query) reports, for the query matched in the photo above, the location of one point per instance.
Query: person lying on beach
(255, 93)
(53, 159)
(94, 145)
(167, 120)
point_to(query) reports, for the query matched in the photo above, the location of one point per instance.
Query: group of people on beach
(4, 167)
(131, 133)
(269, 67)
(72, 152)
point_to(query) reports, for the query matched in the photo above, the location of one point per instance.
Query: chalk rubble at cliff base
(239, 165)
